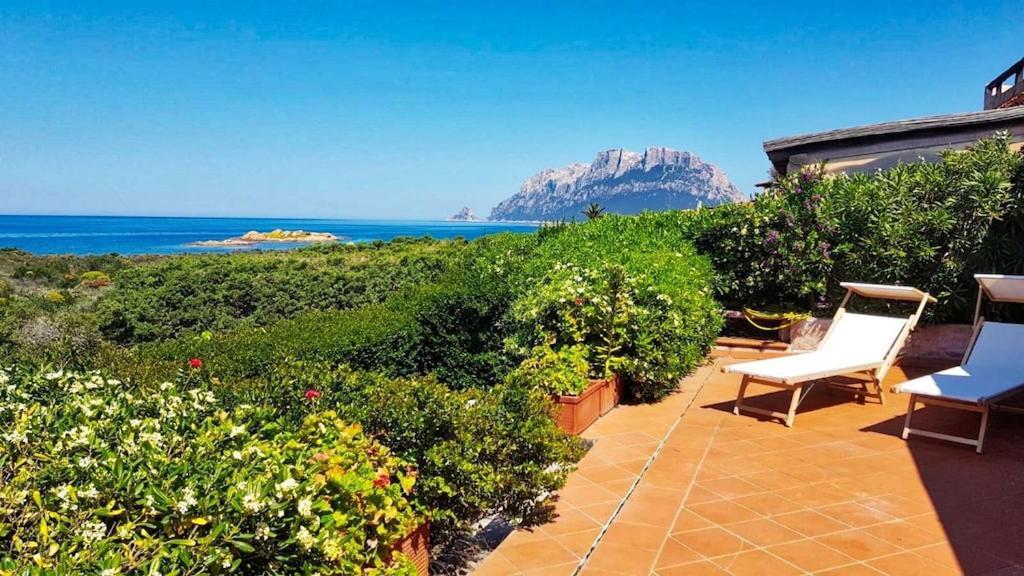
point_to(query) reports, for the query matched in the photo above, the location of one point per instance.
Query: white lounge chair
(992, 368)
(854, 343)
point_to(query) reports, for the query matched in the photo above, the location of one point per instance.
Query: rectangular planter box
(417, 547)
(577, 413)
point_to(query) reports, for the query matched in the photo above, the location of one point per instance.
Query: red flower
(312, 394)
(195, 363)
(382, 481)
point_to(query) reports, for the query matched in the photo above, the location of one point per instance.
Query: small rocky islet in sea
(274, 236)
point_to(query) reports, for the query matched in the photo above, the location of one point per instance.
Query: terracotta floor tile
(756, 563)
(698, 495)
(711, 542)
(910, 564)
(850, 570)
(705, 568)
(638, 536)
(810, 555)
(622, 559)
(653, 506)
(559, 570)
(675, 552)
(687, 520)
(854, 514)
(569, 521)
(578, 543)
(586, 495)
(764, 532)
(601, 511)
(604, 472)
(768, 504)
(731, 487)
(858, 544)
(536, 555)
(903, 534)
(495, 565)
(724, 512)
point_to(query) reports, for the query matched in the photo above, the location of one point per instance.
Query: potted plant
(564, 373)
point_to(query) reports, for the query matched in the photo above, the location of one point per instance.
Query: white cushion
(995, 367)
(963, 384)
(857, 342)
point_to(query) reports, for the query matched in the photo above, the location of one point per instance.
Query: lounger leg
(984, 428)
(881, 393)
(910, 414)
(739, 397)
(793, 403)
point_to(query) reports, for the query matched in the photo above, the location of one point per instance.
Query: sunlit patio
(686, 487)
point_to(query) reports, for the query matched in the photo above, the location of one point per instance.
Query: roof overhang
(779, 150)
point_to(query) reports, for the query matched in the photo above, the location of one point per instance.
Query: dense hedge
(927, 224)
(372, 337)
(100, 478)
(478, 453)
(636, 297)
(215, 292)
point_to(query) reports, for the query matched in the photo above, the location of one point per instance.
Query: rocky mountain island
(623, 182)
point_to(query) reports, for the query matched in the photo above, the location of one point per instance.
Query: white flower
(187, 501)
(305, 507)
(89, 492)
(304, 538)
(286, 486)
(236, 430)
(251, 503)
(93, 531)
(110, 572)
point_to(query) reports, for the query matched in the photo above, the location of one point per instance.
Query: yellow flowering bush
(97, 477)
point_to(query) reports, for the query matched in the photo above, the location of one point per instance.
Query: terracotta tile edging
(643, 471)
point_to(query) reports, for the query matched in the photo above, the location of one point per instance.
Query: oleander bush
(927, 224)
(97, 477)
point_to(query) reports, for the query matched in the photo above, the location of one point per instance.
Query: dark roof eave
(902, 127)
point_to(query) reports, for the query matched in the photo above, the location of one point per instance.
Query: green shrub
(927, 224)
(101, 478)
(626, 322)
(371, 337)
(478, 452)
(186, 295)
(95, 279)
(564, 371)
(634, 293)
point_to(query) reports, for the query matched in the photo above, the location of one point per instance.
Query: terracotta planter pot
(577, 413)
(611, 394)
(417, 547)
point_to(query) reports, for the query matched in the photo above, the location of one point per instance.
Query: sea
(128, 235)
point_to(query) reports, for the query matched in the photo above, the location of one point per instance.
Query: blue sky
(414, 109)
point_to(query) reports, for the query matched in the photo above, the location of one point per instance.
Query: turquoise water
(138, 235)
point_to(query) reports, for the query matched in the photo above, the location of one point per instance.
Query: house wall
(883, 155)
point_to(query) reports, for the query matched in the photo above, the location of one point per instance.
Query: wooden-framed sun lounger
(854, 344)
(992, 368)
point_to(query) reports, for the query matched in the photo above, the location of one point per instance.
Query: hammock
(784, 319)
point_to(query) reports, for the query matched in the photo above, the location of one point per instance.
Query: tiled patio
(840, 493)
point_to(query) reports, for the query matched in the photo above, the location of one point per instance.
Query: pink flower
(312, 394)
(382, 481)
(195, 363)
